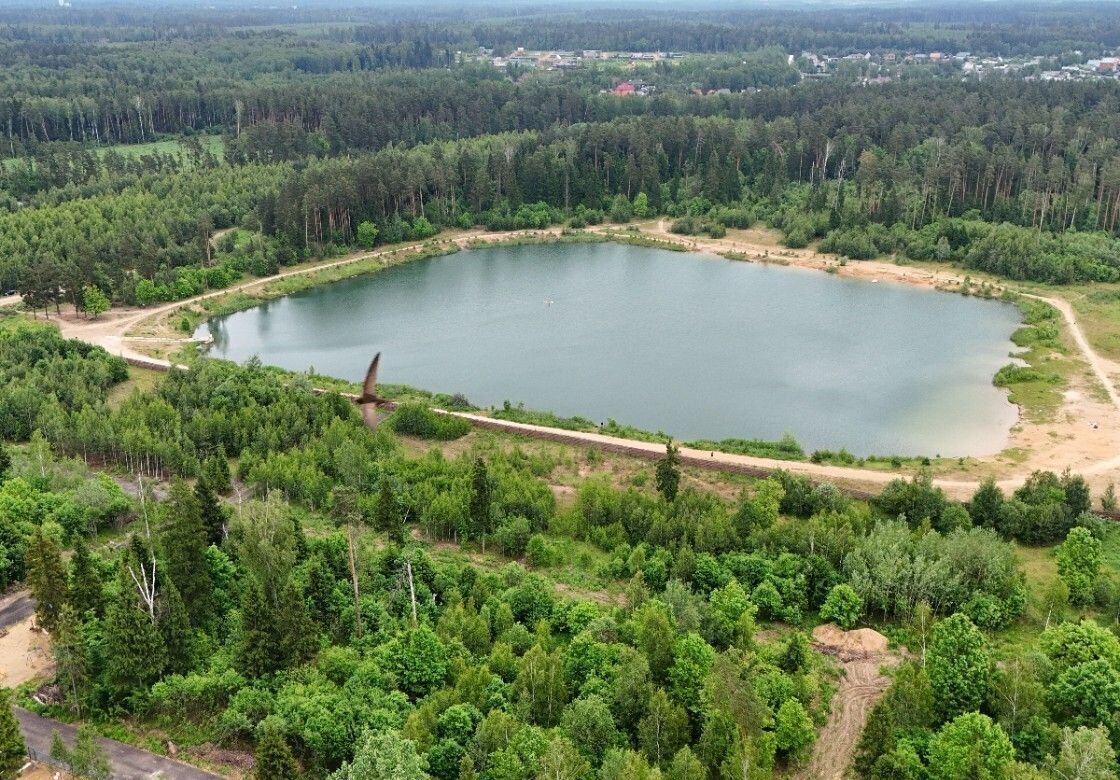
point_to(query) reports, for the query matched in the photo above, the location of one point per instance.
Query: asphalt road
(18, 607)
(128, 763)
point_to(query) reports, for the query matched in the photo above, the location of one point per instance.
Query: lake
(696, 346)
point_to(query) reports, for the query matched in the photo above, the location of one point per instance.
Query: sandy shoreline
(1069, 440)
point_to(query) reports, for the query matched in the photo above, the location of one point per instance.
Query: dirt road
(128, 763)
(1085, 436)
(109, 330)
(862, 655)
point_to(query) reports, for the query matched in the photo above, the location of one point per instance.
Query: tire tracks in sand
(862, 655)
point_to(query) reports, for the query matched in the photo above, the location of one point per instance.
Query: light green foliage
(366, 235)
(621, 210)
(692, 660)
(540, 686)
(588, 723)
(664, 729)
(1070, 644)
(731, 616)
(94, 301)
(642, 208)
(970, 747)
(908, 706)
(1085, 754)
(794, 729)
(1087, 694)
(562, 762)
(1079, 564)
(87, 759)
(893, 570)
(958, 666)
(686, 766)
(419, 661)
(384, 756)
(843, 606)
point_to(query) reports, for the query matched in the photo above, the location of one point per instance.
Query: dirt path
(861, 686)
(1102, 367)
(111, 329)
(1084, 436)
(10, 300)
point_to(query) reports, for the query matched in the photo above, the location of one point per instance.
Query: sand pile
(860, 642)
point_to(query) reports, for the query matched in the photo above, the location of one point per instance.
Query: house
(625, 88)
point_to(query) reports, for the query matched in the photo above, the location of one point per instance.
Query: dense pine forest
(229, 561)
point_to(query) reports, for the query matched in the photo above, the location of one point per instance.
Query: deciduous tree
(958, 666)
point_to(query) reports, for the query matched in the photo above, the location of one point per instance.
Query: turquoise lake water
(696, 346)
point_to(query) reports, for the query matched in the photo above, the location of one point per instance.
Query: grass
(142, 379)
(1040, 568)
(1047, 350)
(1098, 312)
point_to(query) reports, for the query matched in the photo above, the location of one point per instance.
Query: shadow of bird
(369, 399)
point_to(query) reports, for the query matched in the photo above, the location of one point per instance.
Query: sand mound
(862, 641)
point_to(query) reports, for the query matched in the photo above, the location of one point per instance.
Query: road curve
(128, 763)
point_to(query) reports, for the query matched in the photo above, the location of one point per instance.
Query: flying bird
(369, 399)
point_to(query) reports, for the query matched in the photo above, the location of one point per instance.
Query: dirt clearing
(862, 654)
(24, 654)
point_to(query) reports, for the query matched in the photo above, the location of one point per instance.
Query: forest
(287, 594)
(227, 560)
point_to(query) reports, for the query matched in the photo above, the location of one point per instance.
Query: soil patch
(25, 654)
(862, 654)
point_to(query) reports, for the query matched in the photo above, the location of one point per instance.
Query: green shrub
(415, 419)
(843, 606)
(542, 553)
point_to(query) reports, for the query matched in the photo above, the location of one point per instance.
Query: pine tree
(47, 577)
(388, 517)
(668, 473)
(215, 472)
(482, 499)
(185, 544)
(275, 634)
(13, 750)
(72, 670)
(85, 593)
(274, 756)
(213, 514)
(175, 626)
(134, 651)
(258, 652)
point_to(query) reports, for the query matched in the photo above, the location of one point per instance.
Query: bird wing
(369, 389)
(369, 414)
